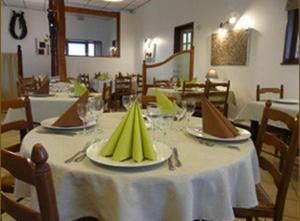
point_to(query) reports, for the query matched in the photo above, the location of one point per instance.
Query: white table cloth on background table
(232, 110)
(253, 111)
(44, 107)
(211, 181)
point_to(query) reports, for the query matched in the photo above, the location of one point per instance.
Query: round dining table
(211, 180)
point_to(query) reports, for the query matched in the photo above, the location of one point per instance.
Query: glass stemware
(82, 112)
(153, 116)
(127, 100)
(96, 107)
(189, 108)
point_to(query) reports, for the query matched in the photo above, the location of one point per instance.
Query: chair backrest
(123, 85)
(106, 96)
(201, 87)
(23, 125)
(287, 151)
(26, 85)
(84, 79)
(34, 171)
(161, 83)
(219, 98)
(139, 83)
(146, 99)
(259, 91)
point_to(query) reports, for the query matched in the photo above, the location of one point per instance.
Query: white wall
(37, 25)
(267, 18)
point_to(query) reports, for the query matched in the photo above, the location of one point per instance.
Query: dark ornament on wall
(22, 25)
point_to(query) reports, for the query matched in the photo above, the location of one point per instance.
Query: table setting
(110, 171)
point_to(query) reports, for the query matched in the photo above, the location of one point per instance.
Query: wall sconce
(149, 49)
(227, 25)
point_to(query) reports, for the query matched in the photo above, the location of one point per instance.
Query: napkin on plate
(165, 104)
(70, 117)
(44, 88)
(79, 89)
(214, 122)
(130, 139)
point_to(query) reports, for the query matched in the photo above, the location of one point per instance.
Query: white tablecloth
(211, 181)
(254, 110)
(43, 107)
(232, 107)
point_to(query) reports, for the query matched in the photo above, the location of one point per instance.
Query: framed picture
(42, 47)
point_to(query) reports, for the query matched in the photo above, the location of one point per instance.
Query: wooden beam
(20, 62)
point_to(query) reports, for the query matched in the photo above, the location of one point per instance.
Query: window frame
(178, 33)
(291, 36)
(86, 44)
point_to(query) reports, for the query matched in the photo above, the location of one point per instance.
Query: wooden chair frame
(266, 208)
(106, 96)
(34, 171)
(260, 91)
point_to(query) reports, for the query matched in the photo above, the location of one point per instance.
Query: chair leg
(249, 218)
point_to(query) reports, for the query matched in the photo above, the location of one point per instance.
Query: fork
(176, 157)
(211, 144)
(69, 160)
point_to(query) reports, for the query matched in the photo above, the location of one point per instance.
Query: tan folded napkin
(44, 88)
(70, 117)
(214, 122)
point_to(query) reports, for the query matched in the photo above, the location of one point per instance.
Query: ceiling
(42, 5)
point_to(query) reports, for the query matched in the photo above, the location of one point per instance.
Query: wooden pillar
(20, 62)
(192, 63)
(61, 38)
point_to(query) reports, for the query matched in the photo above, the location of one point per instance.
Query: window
(291, 46)
(83, 48)
(183, 37)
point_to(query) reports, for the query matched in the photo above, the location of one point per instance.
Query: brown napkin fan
(214, 122)
(44, 88)
(70, 117)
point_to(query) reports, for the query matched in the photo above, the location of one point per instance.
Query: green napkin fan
(165, 105)
(130, 139)
(79, 89)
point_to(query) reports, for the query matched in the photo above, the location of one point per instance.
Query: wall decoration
(22, 25)
(42, 46)
(229, 48)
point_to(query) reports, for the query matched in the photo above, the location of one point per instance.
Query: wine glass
(153, 116)
(96, 106)
(127, 100)
(82, 112)
(189, 108)
(173, 82)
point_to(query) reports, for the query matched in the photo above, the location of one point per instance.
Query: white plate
(42, 95)
(163, 153)
(198, 132)
(47, 123)
(286, 101)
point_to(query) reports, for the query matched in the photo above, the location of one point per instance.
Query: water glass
(189, 108)
(153, 116)
(82, 112)
(127, 100)
(96, 107)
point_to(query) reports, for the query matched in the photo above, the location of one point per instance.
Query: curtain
(9, 75)
(292, 4)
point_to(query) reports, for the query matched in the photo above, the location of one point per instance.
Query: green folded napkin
(165, 105)
(79, 89)
(130, 139)
(103, 76)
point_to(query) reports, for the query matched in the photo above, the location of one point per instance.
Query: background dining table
(232, 105)
(211, 181)
(44, 107)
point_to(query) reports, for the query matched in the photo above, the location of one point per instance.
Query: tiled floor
(292, 206)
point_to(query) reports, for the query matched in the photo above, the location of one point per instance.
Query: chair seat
(265, 207)
(7, 183)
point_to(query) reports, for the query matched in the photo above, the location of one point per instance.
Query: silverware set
(211, 144)
(78, 156)
(174, 161)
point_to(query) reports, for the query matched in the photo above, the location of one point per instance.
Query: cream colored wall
(267, 20)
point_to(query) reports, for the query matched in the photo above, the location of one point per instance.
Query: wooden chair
(26, 85)
(216, 97)
(260, 91)
(139, 83)
(266, 208)
(146, 99)
(8, 181)
(106, 96)
(161, 83)
(123, 86)
(34, 171)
